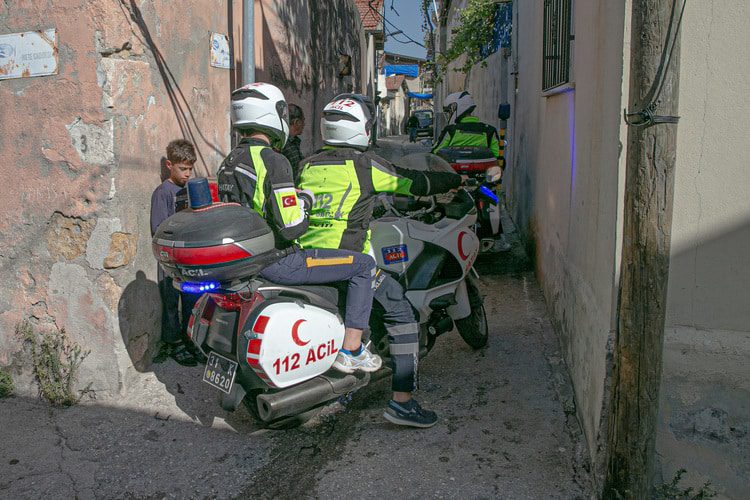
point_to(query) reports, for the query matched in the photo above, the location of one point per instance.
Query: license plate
(220, 372)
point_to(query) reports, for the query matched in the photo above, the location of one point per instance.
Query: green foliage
(55, 361)
(673, 490)
(6, 384)
(473, 32)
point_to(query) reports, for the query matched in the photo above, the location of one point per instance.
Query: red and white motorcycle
(272, 346)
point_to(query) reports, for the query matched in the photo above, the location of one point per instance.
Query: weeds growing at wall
(673, 490)
(6, 384)
(55, 361)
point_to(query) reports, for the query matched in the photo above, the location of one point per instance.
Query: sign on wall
(220, 55)
(33, 53)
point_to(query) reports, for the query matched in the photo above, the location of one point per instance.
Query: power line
(381, 16)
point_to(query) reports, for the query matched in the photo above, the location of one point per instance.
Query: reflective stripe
(259, 197)
(400, 349)
(246, 172)
(329, 261)
(337, 215)
(403, 329)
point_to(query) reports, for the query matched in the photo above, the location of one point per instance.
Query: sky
(405, 15)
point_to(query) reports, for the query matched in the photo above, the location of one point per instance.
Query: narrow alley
(507, 425)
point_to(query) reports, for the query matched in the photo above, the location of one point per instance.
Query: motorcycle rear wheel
(474, 329)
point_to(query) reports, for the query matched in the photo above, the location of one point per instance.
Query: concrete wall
(705, 396)
(564, 184)
(80, 154)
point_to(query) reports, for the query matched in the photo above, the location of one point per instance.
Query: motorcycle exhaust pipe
(296, 399)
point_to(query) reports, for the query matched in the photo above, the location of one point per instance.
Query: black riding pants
(322, 266)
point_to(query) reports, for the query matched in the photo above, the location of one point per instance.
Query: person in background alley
(180, 160)
(292, 147)
(346, 179)
(412, 125)
(256, 176)
(465, 130)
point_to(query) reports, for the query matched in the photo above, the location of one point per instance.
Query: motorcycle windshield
(425, 162)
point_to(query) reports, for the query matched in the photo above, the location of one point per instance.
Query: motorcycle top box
(219, 243)
(469, 161)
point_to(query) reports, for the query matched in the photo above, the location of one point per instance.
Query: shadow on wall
(313, 61)
(704, 412)
(184, 115)
(139, 312)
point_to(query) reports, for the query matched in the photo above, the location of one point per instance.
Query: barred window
(556, 43)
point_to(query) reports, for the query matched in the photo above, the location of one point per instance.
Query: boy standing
(180, 160)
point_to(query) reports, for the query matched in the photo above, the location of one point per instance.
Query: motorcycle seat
(326, 297)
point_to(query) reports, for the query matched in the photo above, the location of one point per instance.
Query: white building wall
(705, 396)
(564, 186)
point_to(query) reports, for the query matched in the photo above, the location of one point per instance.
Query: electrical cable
(647, 116)
(381, 16)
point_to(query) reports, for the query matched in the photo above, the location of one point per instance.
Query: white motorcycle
(429, 246)
(272, 346)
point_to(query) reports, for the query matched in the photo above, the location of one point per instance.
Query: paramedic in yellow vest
(465, 130)
(346, 179)
(256, 176)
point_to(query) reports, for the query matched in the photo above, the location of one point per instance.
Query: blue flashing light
(489, 194)
(199, 287)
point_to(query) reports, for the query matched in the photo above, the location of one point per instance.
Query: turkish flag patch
(289, 201)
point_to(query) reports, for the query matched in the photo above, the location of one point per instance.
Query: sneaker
(409, 413)
(501, 244)
(365, 361)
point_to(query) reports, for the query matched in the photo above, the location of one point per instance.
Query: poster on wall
(29, 54)
(220, 55)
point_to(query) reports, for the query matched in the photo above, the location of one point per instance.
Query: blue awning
(411, 70)
(418, 95)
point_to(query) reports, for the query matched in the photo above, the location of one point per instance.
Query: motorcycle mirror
(503, 111)
(494, 174)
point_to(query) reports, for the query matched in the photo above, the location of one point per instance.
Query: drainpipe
(248, 42)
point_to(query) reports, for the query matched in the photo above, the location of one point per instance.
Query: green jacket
(345, 183)
(469, 132)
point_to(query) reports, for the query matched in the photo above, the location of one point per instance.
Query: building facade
(81, 150)
(565, 189)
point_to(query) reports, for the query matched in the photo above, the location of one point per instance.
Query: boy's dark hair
(295, 113)
(181, 151)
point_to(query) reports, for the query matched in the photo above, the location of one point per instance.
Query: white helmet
(347, 121)
(261, 107)
(458, 105)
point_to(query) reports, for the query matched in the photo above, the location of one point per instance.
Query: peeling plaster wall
(705, 395)
(80, 155)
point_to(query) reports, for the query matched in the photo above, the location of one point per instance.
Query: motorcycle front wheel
(473, 328)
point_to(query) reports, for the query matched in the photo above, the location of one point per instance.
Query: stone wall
(81, 152)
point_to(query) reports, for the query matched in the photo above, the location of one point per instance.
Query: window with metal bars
(556, 43)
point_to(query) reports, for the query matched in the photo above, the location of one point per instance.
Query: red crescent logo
(461, 246)
(295, 333)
